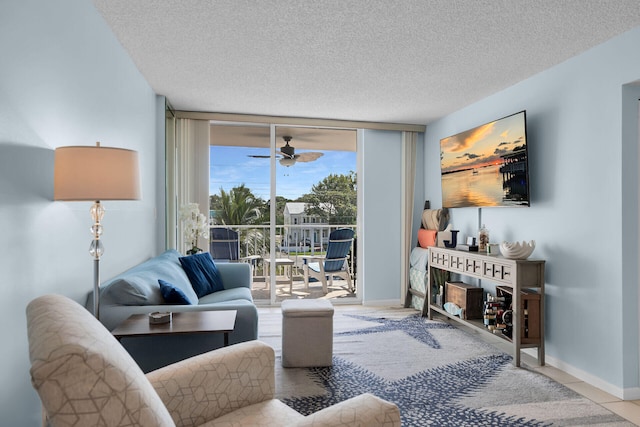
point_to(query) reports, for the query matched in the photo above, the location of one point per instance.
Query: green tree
(240, 206)
(237, 207)
(334, 199)
(280, 204)
(214, 202)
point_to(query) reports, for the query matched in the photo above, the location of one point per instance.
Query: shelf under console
(519, 282)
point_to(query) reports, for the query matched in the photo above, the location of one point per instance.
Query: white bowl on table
(517, 250)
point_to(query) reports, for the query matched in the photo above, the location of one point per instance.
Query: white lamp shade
(286, 161)
(95, 173)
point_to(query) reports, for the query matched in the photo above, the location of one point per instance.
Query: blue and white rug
(436, 373)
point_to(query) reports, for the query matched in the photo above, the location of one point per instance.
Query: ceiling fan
(288, 157)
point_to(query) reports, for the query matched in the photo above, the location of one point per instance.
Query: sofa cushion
(202, 273)
(227, 295)
(139, 285)
(271, 412)
(173, 294)
(135, 289)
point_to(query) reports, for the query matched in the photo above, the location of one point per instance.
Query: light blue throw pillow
(203, 274)
(173, 294)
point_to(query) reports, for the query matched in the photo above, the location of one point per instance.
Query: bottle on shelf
(483, 239)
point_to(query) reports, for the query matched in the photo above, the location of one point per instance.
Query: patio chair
(334, 264)
(224, 246)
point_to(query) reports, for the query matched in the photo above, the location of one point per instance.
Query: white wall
(583, 157)
(64, 80)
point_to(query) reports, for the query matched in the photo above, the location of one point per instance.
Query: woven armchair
(85, 377)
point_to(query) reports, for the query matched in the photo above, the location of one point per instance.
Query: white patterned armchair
(85, 378)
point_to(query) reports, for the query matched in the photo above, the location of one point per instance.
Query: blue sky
(232, 166)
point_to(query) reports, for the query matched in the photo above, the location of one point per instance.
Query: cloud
(469, 156)
(463, 141)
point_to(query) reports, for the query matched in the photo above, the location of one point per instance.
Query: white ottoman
(307, 333)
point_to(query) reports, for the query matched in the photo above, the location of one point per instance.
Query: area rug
(438, 374)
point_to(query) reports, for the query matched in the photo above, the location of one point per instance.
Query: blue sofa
(137, 291)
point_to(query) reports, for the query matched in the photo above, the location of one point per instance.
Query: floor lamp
(86, 173)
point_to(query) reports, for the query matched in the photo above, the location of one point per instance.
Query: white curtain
(408, 189)
(187, 176)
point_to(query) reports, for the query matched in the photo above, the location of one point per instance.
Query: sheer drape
(409, 147)
(187, 176)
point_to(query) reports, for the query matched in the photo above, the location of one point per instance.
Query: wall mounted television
(487, 165)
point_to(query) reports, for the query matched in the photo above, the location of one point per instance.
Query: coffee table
(187, 322)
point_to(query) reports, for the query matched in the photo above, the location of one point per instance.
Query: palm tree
(240, 206)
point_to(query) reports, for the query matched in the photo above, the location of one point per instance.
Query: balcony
(292, 242)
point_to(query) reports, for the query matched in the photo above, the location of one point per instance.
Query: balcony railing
(291, 241)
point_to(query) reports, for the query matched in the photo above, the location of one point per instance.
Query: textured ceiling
(403, 61)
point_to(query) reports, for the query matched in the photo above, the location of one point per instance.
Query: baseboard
(631, 393)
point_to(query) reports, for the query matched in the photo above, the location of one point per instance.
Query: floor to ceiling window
(279, 238)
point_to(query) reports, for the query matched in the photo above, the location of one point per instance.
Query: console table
(516, 274)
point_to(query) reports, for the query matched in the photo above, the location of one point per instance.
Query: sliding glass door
(269, 219)
(276, 194)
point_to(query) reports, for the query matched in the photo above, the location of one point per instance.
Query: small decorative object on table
(517, 250)
(483, 238)
(194, 225)
(471, 245)
(492, 249)
(454, 309)
(158, 318)
(454, 239)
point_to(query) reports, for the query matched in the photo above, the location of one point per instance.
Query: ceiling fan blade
(257, 156)
(309, 156)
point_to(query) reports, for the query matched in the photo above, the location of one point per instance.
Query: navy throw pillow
(203, 274)
(173, 294)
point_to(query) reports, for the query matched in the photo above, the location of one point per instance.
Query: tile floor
(628, 409)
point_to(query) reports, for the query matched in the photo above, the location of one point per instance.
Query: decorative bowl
(517, 250)
(158, 317)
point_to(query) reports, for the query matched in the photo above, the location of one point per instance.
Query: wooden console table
(516, 274)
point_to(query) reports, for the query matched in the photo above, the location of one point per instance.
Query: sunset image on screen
(486, 165)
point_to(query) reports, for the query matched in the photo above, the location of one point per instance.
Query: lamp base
(96, 250)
